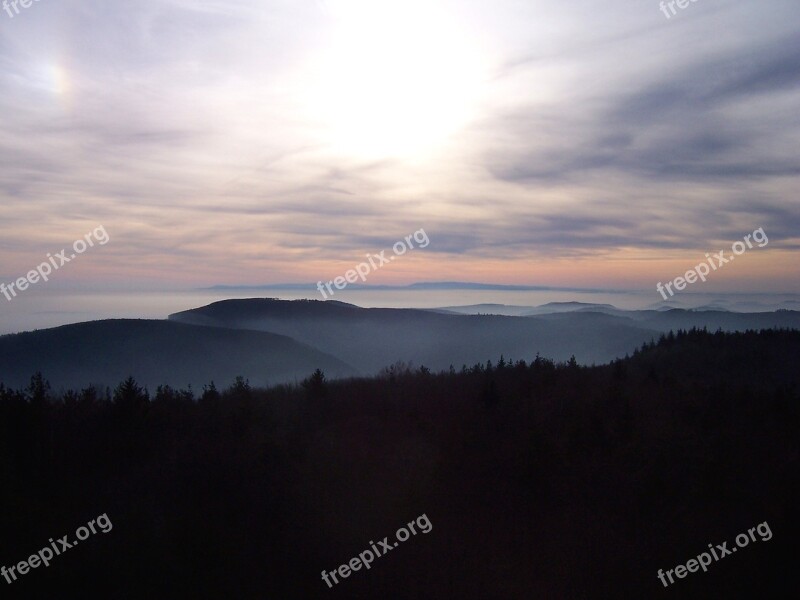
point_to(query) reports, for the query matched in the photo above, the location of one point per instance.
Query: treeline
(540, 478)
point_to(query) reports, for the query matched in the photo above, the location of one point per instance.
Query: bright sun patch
(396, 78)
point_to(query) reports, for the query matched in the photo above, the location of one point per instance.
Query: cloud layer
(272, 141)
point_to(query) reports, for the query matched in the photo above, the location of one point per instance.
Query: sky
(537, 142)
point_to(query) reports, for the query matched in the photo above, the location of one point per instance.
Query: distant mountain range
(425, 285)
(369, 339)
(275, 341)
(763, 302)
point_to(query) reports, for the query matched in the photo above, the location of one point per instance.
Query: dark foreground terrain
(540, 480)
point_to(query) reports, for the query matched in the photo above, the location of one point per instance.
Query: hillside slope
(371, 339)
(157, 352)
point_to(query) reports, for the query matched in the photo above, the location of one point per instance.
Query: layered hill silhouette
(370, 339)
(157, 352)
(274, 341)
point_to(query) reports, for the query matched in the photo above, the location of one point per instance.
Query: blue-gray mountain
(274, 341)
(103, 353)
(370, 339)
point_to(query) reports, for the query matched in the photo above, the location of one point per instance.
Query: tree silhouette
(38, 390)
(129, 396)
(316, 386)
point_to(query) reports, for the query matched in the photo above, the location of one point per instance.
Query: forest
(542, 479)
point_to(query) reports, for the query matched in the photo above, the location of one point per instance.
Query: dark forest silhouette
(541, 479)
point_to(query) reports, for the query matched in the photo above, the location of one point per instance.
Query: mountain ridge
(158, 352)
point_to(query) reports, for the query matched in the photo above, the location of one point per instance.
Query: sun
(395, 79)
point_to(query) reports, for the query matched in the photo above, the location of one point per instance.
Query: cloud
(184, 126)
(686, 126)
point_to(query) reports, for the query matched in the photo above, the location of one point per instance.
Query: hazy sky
(550, 142)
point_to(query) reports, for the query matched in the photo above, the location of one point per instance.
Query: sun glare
(396, 79)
